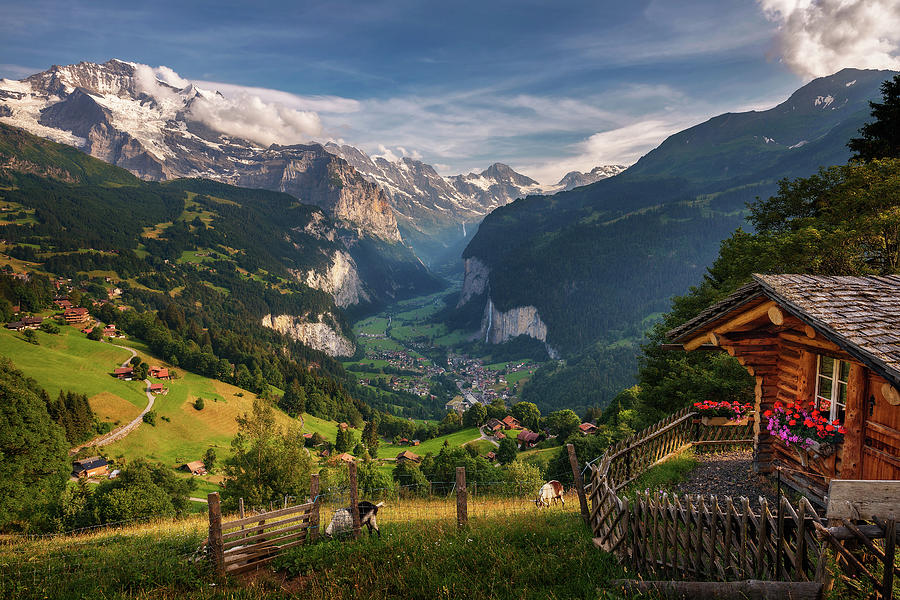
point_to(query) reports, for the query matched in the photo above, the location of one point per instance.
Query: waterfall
(490, 320)
(464, 228)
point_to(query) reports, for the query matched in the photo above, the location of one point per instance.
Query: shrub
(199, 404)
(150, 418)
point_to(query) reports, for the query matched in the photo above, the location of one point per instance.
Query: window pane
(824, 387)
(842, 394)
(826, 366)
(844, 371)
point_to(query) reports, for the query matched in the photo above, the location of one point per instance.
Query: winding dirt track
(120, 432)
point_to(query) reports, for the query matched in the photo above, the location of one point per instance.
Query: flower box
(725, 421)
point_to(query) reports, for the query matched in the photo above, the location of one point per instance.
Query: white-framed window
(831, 387)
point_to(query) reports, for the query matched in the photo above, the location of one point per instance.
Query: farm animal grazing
(342, 520)
(549, 493)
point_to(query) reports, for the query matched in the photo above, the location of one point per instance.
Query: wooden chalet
(527, 438)
(25, 323)
(825, 342)
(160, 373)
(407, 456)
(157, 388)
(94, 466)
(124, 372)
(494, 425)
(587, 428)
(195, 467)
(76, 316)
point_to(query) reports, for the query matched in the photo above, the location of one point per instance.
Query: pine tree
(370, 435)
(881, 138)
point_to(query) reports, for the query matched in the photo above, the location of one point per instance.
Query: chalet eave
(757, 307)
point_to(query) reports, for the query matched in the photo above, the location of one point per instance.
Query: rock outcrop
(501, 326)
(318, 335)
(475, 281)
(340, 279)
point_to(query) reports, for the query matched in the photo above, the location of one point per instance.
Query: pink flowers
(803, 425)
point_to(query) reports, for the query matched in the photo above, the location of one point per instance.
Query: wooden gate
(247, 543)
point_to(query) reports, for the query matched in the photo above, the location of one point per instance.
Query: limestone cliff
(318, 335)
(340, 279)
(475, 282)
(501, 326)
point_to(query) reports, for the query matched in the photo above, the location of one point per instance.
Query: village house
(345, 457)
(587, 428)
(110, 331)
(511, 422)
(160, 373)
(76, 316)
(157, 388)
(826, 344)
(494, 425)
(195, 467)
(63, 304)
(125, 373)
(94, 466)
(527, 439)
(407, 456)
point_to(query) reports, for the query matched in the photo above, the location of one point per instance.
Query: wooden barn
(818, 343)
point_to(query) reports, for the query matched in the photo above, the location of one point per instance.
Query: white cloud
(820, 37)
(256, 114)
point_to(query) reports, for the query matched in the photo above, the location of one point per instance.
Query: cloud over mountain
(819, 37)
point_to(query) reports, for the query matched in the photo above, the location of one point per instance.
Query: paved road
(484, 437)
(120, 432)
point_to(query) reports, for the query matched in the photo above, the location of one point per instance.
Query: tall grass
(510, 549)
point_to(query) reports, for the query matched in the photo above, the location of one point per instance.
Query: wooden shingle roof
(859, 314)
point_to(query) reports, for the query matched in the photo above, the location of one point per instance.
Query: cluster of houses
(525, 438)
(127, 374)
(25, 323)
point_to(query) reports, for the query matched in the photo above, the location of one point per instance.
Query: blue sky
(543, 86)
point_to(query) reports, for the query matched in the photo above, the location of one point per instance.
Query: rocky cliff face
(341, 280)
(318, 335)
(475, 281)
(501, 326)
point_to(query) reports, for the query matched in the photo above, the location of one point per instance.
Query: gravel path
(728, 474)
(120, 432)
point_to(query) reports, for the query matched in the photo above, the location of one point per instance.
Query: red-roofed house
(494, 425)
(157, 388)
(63, 304)
(588, 428)
(124, 372)
(160, 373)
(511, 422)
(527, 438)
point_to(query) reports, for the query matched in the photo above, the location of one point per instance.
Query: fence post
(241, 512)
(354, 500)
(579, 485)
(216, 544)
(314, 511)
(462, 509)
(890, 545)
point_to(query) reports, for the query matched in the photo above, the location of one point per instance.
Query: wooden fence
(249, 542)
(722, 539)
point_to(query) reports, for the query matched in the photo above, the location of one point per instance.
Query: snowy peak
(160, 126)
(574, 179)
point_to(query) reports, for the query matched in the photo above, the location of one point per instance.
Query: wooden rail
(722, 539)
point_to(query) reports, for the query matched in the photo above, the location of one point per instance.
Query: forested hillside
(600, 263)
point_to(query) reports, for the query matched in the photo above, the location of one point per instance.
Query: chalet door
(881, 446)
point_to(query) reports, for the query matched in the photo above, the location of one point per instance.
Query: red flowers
(799, 423)
(733, 410)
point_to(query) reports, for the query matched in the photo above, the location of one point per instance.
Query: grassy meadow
(508, 550)
(433, 445)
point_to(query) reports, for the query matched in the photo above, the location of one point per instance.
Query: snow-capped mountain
(436, 214)
(124, 114)
(574, 179)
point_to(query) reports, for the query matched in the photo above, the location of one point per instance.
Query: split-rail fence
(673, 537)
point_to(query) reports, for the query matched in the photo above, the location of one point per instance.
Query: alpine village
(260, 341)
